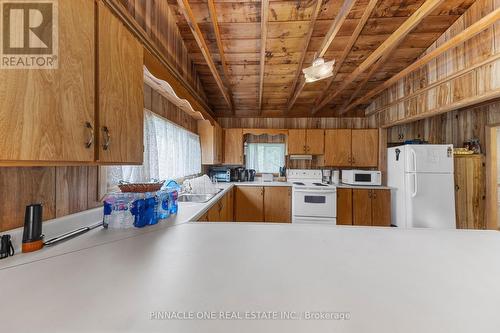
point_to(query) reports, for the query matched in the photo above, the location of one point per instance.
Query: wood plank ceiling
(289, 27)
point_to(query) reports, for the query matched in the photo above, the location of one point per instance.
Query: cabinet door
(460, 169)
(44, 112)
(338, 147)
(365, 148)
(277, 204)
(361, 207)
(228, 215)
(344, 206)
(381, 208)
(121, 96)
(214, 213)
(233, 146)
(315, 142)
(219, 146)
(249, 204)
(296, 142)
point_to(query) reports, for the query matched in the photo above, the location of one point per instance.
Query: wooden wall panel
(157, 19)
(286, 123)
(461, 77)
(158, 104)
(453, 127)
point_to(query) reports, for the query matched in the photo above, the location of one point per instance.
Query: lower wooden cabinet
(221, 211)
(249, 204)
(277, 204)
(263, 204)
(364, 207)
(470, 191)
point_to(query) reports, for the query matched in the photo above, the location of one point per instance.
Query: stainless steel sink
(199, 198)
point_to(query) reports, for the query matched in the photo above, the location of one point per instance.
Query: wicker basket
(140, 187)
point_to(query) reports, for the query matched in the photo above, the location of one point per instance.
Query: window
(170, 152)
(265, 157)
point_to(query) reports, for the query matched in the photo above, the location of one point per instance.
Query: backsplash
(61, 190)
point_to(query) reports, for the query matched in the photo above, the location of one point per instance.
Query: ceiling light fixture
(319, 70)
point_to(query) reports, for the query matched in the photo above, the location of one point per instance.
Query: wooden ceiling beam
(264, 13)
(387, 46)
(200, 40)
(327, 41)
(460, 38)
(215, 24)
(298, 73)
(352, 40)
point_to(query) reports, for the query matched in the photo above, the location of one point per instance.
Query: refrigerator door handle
(414, 157)
(415, 188)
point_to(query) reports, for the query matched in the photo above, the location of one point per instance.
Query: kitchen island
(208, 277)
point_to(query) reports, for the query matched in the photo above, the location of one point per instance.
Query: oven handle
(314, 191)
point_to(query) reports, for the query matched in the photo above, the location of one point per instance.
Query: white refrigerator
(423, 189)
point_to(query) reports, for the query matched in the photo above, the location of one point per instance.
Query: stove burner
(319, 184)
(298, 183)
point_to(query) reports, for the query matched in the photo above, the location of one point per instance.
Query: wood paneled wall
(66, 190)
(453, 127)
(158, 21)
(286, 123)
(461, 77)
(61, 190)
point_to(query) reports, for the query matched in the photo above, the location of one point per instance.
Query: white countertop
(387, 279)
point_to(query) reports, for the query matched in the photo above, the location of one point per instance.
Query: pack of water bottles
(126, 210)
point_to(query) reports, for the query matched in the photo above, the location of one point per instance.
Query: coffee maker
(326, 176)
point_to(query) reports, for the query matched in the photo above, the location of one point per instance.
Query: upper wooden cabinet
(47, 115)
(351, 148)
(278, 204)
(365, 147)
(301, 141)
(233, 146)
(53, 116)
(121, 97)
(211, 138)
(338, 147)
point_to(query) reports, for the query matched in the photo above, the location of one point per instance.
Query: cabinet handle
(353, 160)
(107, 138)
(374, 194)
(305, 149)
(370, 194)
(90, 141)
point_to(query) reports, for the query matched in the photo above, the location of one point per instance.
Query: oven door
(314, 203)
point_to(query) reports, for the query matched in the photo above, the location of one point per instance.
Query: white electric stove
(312, 200)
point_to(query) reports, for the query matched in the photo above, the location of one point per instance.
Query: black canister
(32, 234)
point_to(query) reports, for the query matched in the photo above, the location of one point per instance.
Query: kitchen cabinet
(233, 146)
(364, 148)
(211, 138)
(221, 211)
(364, 207)
(277, 204)
(48, 115)
(296, 142)
(351, 148)
(338, 148)
(302, 141)
(249, 204)
(344, 206)
(470, 191)
(89, 109)
(121, 99)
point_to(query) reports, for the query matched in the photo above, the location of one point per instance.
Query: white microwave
(361, 177)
